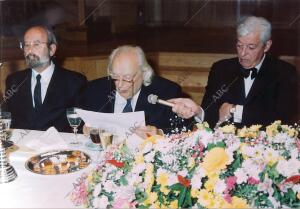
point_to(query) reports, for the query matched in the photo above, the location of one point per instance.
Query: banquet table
(31, 190)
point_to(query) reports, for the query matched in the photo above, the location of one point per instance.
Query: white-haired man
(131, 80)
(254, 87)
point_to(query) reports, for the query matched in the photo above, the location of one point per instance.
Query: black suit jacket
(63, 92)
(99, 96)
(273, 95)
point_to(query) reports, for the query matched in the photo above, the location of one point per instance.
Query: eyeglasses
(247, 46)
(126, 78)
(34, 45)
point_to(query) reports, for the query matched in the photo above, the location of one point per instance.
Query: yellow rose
(139, 158)
(202, 126)
(206, 198)
(228, 129)
(215, 160)
(162, 179)
(194, 193)
(164, 190)
(239, 203)
(298, 195)
(210, 184)
(173, 204)
(152, 197)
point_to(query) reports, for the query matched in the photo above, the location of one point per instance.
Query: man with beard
(44, 91)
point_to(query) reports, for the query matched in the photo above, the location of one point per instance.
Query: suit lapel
(25, 88)
(55, 83)
(140, 104)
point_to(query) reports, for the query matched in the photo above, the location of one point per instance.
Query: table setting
(226, 167)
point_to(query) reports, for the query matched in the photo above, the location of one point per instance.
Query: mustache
(30, 56)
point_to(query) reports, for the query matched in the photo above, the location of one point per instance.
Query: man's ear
(52, 49)
(268, 45)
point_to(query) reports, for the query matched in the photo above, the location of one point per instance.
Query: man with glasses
(131, 80)
(254, 87)
(44, 91)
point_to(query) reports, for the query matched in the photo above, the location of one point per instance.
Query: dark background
(93, 27)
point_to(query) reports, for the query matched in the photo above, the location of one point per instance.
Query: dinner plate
(58, 162)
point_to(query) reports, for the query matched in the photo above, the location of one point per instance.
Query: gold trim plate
(58, 162)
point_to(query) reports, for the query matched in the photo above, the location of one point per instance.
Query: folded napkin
(45, 141)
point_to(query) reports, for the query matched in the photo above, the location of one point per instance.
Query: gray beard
(34, 61)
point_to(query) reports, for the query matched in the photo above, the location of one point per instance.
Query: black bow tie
(246, 72)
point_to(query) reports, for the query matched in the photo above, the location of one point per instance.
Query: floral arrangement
(225, 168)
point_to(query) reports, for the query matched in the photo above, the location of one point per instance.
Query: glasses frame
(129, 80)
(34, 45)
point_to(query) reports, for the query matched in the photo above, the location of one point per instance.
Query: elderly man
(131, 80)
(44, 91)
(254, 88)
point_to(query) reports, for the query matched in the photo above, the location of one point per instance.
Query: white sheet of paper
(121, 124)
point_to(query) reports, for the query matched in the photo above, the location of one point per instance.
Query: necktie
(246, 72)
(128, 107)
(37, 92)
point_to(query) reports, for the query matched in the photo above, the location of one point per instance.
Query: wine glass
(74, 121)
(6, 120)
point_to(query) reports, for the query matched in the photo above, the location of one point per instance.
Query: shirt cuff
(200, 116)
(238, 114)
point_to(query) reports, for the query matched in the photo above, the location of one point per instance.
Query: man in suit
(44, 91)
(131, 80)
(253, 88)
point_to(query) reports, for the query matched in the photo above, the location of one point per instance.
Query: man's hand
(224, 110)
(184, 107)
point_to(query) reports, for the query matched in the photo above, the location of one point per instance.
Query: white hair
(146, 69)
(251, 24)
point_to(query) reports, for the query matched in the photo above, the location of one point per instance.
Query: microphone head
(152, 99)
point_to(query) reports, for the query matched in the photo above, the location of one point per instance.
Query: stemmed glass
(6, 119)
(74, 121)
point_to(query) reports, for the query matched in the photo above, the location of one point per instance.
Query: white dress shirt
(120, 102)
(46, 76)
(238, 114)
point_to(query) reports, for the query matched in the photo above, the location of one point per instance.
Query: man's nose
(244, 51)
(120, 83)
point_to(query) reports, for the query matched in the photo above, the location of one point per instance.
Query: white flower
(220, 186)
(109, 186)
(196, 182)
(183, 172)
(296, 188)
(138, 168)
(288, 168)
(173, 179)
(101, 202)
(266, 186)
(149, 158)
(270, 155)
(97, 190)
(205, 137)
(275, 203)
(147, 148)
(253, 168)
(240, 175)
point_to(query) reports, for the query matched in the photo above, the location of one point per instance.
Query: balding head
(39, 45)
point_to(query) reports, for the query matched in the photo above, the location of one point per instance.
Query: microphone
(153, 99)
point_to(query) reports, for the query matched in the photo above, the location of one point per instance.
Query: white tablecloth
(32, 190)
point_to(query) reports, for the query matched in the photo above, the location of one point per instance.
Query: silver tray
(58, 162)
